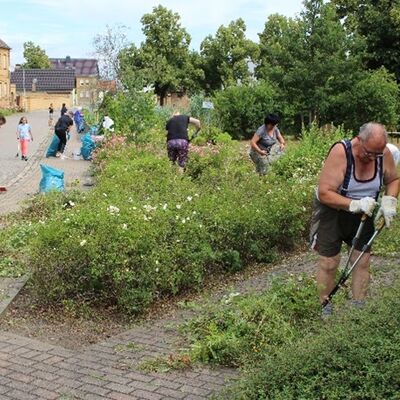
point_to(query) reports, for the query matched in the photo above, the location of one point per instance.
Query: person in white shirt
(395, 152)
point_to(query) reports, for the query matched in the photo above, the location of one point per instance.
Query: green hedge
(355, 356)
(146, 231)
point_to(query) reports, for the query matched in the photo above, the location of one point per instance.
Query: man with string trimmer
(349, 185)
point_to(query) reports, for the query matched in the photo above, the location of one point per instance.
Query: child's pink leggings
(24, 147)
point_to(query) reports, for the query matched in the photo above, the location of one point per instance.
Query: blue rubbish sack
(52, 179)
(88, 145)
(52, 150)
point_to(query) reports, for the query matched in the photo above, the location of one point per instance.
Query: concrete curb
(9, 289)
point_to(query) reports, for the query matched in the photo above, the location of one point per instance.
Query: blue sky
(68, 28)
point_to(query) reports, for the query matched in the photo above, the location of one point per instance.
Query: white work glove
(365, 205)
(387, 209)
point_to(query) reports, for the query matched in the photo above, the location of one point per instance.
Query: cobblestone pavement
(30, 369)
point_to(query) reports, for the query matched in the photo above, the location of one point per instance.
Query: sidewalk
(22, 178)
(30, 369)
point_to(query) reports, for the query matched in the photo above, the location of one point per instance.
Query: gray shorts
(331, 227)
(263, 162)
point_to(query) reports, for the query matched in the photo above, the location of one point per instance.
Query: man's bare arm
(331, 178)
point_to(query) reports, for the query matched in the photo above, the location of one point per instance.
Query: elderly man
(349, 185)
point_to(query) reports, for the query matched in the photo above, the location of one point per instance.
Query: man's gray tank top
(357, 189)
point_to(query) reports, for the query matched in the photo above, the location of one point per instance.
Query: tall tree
(227, 56)
(35, 56)
(107, 49)
(378, 23)
(308, 58)
(163, 60)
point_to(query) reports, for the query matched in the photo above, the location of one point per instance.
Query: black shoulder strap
(346, 181)
(380, 169)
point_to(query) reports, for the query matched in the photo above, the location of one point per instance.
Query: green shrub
(373, 97)
(241, 329)
(145, 232)
(354, 356)
(133, 113)
(240, 110)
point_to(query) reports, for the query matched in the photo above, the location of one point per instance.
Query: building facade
(37, 88)
(7, 90)
(87, 79)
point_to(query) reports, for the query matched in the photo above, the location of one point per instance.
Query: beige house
(37, 88)
(7, 90)
(87, 79)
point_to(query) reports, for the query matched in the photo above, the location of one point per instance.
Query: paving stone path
(30, 369)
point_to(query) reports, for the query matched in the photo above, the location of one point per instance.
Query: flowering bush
(146, 231)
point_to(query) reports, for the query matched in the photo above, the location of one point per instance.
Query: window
(87, 82)
(87, 93)
(81, 94)
(81, 82)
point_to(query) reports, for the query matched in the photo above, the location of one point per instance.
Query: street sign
(208, 105)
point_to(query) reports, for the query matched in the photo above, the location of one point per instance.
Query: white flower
(194, 213)
(183, 220)
(189, 198)
(164, 207)
(157, 269)
(71, 203)
(149, 208)
(105, 194)
(125, 226)
(113, 210)
(178, 206)
(196, 194)
(83, 242)
(130, 200)
(157, 262)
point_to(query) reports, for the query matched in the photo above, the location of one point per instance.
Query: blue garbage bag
(88, 145)
(52, 150)
(52, 179)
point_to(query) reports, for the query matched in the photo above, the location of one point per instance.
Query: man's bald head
(373, 131)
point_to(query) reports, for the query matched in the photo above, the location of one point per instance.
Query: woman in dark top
(177, 137)
(62, 127)
(63, 109)
(51, 112)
